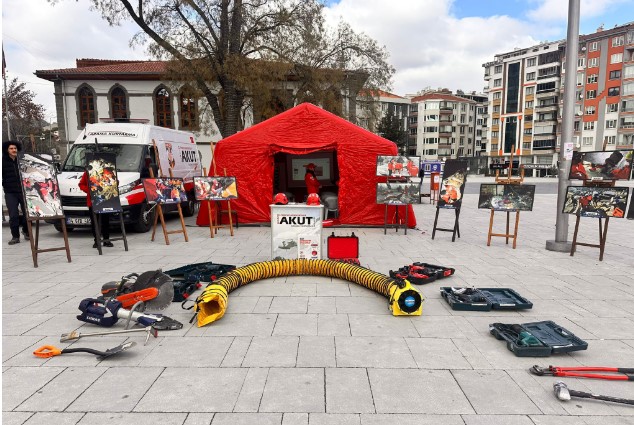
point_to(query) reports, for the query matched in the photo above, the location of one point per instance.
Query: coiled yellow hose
(212, 303)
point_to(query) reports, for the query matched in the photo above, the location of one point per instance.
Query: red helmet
(310, 166)
(280, 199)
(313, 199)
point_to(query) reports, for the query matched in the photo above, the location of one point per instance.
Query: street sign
(537, 166)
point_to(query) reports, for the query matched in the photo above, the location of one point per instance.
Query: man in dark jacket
(13, 191)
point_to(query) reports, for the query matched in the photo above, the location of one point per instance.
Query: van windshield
(128, 156)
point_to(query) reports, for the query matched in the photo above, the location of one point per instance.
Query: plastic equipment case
(440, 271)
(344, 248)
(484, 299)
(537, 339)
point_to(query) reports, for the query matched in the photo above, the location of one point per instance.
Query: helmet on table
(280, 199)
(313, 199)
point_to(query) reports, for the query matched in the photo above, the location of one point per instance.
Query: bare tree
(24, 114)
(243, 53)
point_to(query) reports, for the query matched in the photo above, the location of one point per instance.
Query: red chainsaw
(154, 288)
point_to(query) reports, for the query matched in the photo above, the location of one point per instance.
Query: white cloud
(554, 10)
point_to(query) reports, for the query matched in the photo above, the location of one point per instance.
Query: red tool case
(343, 248)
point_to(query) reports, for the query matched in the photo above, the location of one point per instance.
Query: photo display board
(398, 193)
(506, 197)
(454, 178)
(215, 188)
(598, 202)
(593, 166)
(164, 191)
(103, 182)
(40, 188)
(397, 166)
(296, 231)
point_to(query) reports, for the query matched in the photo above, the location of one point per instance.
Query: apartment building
(442, 125)
(525, 94)
(373, 106)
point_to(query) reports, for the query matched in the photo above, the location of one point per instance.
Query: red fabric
(312, 184)
(83, 186)
(306, 128)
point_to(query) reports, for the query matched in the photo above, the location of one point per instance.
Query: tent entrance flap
(290, 169)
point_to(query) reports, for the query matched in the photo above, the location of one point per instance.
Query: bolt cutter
(585, 372)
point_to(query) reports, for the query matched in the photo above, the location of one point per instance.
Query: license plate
(82, 221)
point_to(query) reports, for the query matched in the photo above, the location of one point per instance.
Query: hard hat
(313, 199)
(310, 166)
(280, 199)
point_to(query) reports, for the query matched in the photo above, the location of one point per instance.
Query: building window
(593, 62)
(530, 90)
(594, 46)
(495, 134)
(530, 76)
(531, 62)
(614, 91)
(588, 141)
(590, 110)
(163, 108)
(188, 110)
(610, 124)
(612, 107)
(528, 105)
(497, 69)
(610, 140)
(628, 71)
(591, 94)
(528, 131)
(118, 103)
(496, 109)
(588, 125)
(626, 139)
(497, 82)
(528, 118)
(593, 78)
(628, 89)
(617, 41)
(616, 58)
(615, 75)
(497, 95)
(87, 113)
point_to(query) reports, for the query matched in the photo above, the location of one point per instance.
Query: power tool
(108, 312)
(154, 288)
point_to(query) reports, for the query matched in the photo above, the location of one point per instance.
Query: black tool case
(441, 272)
(187, 279)
(553, 339)
(484, 299)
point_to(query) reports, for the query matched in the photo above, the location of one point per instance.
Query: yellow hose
(212, 303)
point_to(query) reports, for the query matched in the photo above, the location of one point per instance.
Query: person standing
(312, 184)
(105, 218)
(13, 191)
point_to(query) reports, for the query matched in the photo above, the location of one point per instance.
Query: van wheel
(145, 219)
(189, 208)
(58, 227)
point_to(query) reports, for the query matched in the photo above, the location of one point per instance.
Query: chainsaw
(154, 288)
(108, 312)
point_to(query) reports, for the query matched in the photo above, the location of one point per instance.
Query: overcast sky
(432, 43)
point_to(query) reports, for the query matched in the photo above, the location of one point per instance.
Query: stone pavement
(315, 350)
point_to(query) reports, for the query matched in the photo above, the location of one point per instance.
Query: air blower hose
(212, 303)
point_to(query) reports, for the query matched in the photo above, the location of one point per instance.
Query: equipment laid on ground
(187, 279)
(74, 335)
(537, 339)
(484, 299)
(107, 313)
(583, 372)
(421, 273)
(563, 393)
(344, 249)
(154, 288)
(47, 351)
(212, 303)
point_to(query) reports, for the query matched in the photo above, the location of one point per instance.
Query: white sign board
(295, 228)
(568, 149)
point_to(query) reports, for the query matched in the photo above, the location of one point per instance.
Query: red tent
(304, 129)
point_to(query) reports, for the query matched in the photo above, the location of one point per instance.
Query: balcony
(540, 145)
(445, 134)
(445, 110)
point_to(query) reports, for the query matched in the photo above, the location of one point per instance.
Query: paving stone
(62, 390)
(295, 419)
(20, 324)
(348, 391)
(431, 353)
(251, 393)
(321, 305)
(294, 390)
(178, 352)
(287, 305)
(497, 420)
(381, 325)
(199, 419)
(408, 419)
(199, 389)
(103, 396)
(442, 393)
(304, 290)
(237, 351)
(334, 419)
(12, 345)
(18, 384)
(247, 419)
(296, 324)
(133, 418)
(277, 351)
(57, 418)
(316, 351)
(263, 305)
(361, 305)
(18, 418)
(242, 325)
(335, 289)
(333, 325)
(376, 352)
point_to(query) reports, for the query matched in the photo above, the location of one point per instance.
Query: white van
(133, 145)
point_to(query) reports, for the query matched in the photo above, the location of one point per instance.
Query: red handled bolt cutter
(627, 374)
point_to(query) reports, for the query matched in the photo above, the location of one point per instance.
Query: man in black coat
(13, 191)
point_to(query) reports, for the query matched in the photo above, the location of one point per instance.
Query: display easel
(396, 220)
(35, 239)
(218, 209)
(211, 218)
(456, 225)
(96, 218)
(159, 208)
(509, 179)
(603, 230)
